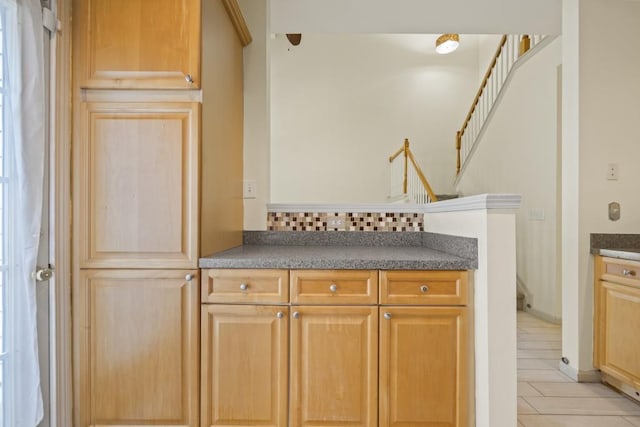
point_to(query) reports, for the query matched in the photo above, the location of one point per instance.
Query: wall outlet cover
(614, 211)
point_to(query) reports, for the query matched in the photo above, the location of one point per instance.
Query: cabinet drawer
(245, 286)
(334, 287)
(622, 271)
(423, 287)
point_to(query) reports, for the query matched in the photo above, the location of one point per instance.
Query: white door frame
(60, 216)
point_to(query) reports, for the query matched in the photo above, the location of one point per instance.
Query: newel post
(406, 164)
(458, 147)
(525, 44)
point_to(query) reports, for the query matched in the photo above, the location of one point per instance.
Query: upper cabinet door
(137, 185)
(138, 43)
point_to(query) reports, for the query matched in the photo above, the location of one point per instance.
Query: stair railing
(406, 181)
(510, 49)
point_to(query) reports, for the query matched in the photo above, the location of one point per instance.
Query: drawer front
(245, 286)
(424, 287)
(334, 287)
(621, 271)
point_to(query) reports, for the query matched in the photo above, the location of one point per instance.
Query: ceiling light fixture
(447, 43)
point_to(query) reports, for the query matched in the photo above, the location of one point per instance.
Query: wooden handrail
(396, 154)
(408, 155)
(474, 104)
(523, 46)
(423, 179)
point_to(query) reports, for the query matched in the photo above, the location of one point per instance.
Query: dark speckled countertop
(348, 250)
(624, 246)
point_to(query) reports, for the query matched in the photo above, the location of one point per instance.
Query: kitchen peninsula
(368, 328)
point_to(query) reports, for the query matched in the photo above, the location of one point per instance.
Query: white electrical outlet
(249, 189)
(335, 222)
(536, 214)
(612, 172)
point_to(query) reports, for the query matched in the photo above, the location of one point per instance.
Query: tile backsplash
(345, 221)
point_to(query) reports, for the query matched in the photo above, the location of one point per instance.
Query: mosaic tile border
(345, 221)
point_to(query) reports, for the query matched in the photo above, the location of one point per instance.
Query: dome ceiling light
(447, 43)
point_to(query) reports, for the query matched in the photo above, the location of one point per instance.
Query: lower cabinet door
(334, 366)
(136, 348)
(423, 366)
(619, 312)
(244, 365)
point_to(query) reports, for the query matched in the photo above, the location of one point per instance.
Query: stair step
(520, 302)
(442, 197)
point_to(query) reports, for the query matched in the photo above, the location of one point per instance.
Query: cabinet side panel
(222, 132)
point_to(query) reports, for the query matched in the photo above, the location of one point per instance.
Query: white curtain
(26, 130)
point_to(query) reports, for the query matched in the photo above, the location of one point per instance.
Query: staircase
(511, 51)
(407, 182)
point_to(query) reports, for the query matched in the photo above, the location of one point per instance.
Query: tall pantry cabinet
(157, 182)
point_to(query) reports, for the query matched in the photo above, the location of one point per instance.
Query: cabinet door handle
(188, 277)
(296, 314)
(626, 272)
(388, 316)
(333, 287)
(280, 315)
(188, 78)
(424, 289)
(244, 286)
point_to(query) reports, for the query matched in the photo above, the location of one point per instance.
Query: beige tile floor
(548, 398)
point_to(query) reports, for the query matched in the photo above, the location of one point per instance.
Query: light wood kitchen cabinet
(423, 288)
(617, 320)
(244, 363)
(136, 358)
(137, 181)
(424, 348)
(157, 182)
(423, 366)
(138, 43)
(334, 366)
(334, 287)
(245, 286)
(404, 362)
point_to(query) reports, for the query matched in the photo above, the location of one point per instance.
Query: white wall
(340, 105)
(492, 222)
(602, 110)
(257, 116)
(518, 154)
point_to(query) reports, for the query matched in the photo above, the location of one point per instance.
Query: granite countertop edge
(622, 246)
(629, 254)
(348, 251)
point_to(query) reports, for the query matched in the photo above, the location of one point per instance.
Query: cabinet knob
(188, 78)
(280, 315)
(188, 277)
(626, 272)
(333, 287)
(387, 316)
(244, 286)
(296, 314)
(424, 288)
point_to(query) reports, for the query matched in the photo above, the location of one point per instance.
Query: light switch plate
(612, 172)
(249, 189)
